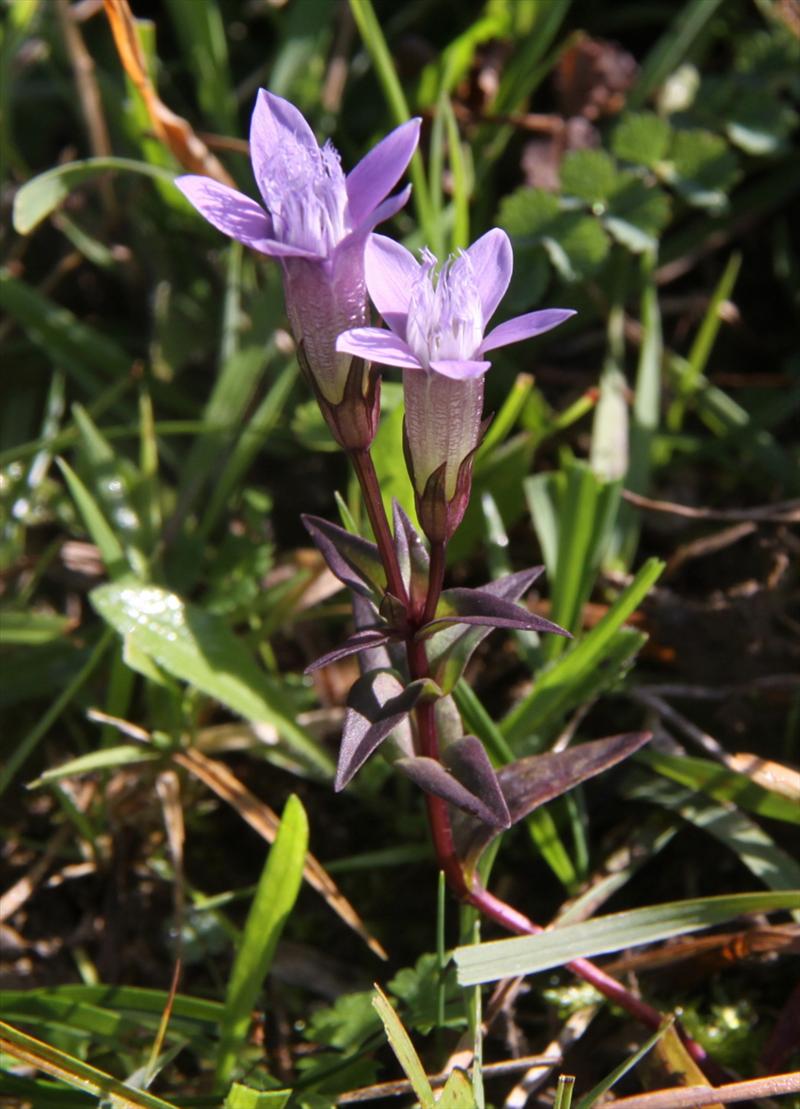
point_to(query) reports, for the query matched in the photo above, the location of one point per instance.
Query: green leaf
(574, 242)
(273, 901)
(602, 1088)
(722, 784)
(74, 1072)
(81, 351)
(591, 175)
(32, 628)
(555, 686)
(243, 1097)
(641, 138)
(527, 213)
(198, 647)
(124, 754)
(96, 524)
(701, 168)
(346, 1024)
(488, 962)
(636, 213)
(401, 1045)
(457, 1093)
(749, 842)
(39, 197)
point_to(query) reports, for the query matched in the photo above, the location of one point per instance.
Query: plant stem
(438, 815)
(373, 501)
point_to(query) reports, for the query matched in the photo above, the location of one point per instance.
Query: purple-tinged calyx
(316, 221)
(437, 320)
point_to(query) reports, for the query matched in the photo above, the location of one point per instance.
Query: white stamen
(306, 195)
(445, 320)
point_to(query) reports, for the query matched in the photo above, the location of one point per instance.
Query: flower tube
(315, 221)
(437, 318)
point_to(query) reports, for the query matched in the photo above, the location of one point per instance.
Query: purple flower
(316, 223)
(438, 323)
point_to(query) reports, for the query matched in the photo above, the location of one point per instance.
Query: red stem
(438, 815)
(370, 487)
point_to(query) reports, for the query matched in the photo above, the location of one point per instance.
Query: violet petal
(235, 214)
(391, 271)
(492, 262)
(275, 123)
(379, 170)
(460, 370)
(524, 327)
(376, 344)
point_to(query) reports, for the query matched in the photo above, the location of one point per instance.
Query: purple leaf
(412, 554)
(532, 781)
(353, 645)
(377, 704)
(451, 648)
(354, 561)
(476, 606)
(470, 782)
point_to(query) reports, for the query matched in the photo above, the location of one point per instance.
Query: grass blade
(489, 962)
(404, 1049)
(272, 903)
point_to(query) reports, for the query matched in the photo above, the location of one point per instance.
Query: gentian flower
(438, 322)
(316, 223)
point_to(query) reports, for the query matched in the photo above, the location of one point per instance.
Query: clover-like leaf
(354, 561)
(636, 213)
(450, 649)
(701, 167)
(532, 781)
(465, 778)
(641, 138)
(377, 704)
(589, 174)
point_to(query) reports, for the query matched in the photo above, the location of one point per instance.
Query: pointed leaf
(412, 553)
(360, 641)
(431, 776)
(532, 781)
(467, 780)
(476, 606)
(450, 649)
(378, 702)
(354, 561)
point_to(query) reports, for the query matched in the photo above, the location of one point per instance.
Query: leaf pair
(463, 616)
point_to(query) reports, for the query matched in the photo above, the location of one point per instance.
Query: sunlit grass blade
(703, 342)
(41, 196)
(489, 962)
(100, 531)
(645, 418)
(754, 848)
(672, 48)
(41, 1056)
(272, 904)
(554, 686)
(201, 33)
(608, 1083)
(403, 1048)
(370, 30)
